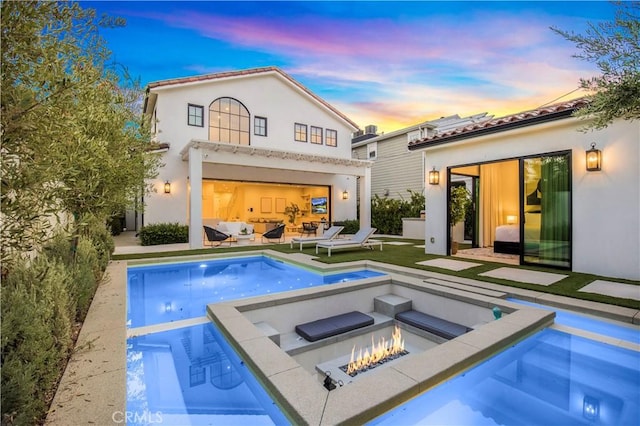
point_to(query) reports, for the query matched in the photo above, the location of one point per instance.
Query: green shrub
(87, 273)
(387, 213)
(36, 336)
(96, 230)
(164, 233)
(351, 226)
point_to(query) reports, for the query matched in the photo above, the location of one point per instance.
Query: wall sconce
(511, 219)
(590, 408)
(594, 159)
(434, 177)
(167, 187)
(345, 195)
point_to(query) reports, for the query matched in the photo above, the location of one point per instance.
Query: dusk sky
(392, 64)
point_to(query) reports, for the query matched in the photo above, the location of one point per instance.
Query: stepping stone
(524, 276)
(397, 243)
(612, 288)
(452, 265)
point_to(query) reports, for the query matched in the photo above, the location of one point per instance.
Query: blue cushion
(438, 326)
(332, 326)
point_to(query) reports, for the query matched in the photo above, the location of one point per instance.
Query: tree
(614, 47)
(72, 139)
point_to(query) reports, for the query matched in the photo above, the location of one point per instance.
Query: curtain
(555, 226)
(490, 203)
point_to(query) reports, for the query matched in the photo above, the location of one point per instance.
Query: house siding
(395, 169)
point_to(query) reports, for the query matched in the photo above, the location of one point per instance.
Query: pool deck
(93, 387)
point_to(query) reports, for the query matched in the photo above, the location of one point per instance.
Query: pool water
(551, 378)
(191, 376)
(171, 292)
(629, 333)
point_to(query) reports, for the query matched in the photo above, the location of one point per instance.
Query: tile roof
(521, 119)
(249, 72)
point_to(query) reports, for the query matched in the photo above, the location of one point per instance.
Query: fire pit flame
(383, 350)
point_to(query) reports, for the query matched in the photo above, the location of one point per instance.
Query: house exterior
(395, 169)
(529, 178)
(244, 146)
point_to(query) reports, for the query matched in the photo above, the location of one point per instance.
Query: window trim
(311, 139)
(295, 132)
(189, 115)
(257, 117)
(335, 139)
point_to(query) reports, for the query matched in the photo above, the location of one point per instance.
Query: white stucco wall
(606, 204)
(266, 95)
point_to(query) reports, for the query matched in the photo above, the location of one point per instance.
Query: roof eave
(495, 129)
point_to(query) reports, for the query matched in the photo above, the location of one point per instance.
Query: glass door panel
(546, 199)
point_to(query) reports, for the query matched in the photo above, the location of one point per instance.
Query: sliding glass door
(545, 227)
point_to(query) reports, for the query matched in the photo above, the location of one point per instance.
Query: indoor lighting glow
(167, 187)
(345, 195)
(511, 219)
(594, 159)
(434, 177)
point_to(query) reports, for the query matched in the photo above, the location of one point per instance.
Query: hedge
(164, 233)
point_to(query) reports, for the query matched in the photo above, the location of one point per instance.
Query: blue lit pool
(191, 376)
(170, 292)
(629, 332)
(552, 378)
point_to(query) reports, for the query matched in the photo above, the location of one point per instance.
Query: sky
(388, 63)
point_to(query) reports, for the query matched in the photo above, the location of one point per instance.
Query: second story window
(260, 126)
(332, 137)
(316, 135)
(195, 114)
(372, 150)
(228, 122)
(300, 132)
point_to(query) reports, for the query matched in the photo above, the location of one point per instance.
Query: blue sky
(392, 64)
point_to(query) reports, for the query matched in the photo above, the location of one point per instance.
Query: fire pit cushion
(438, 326)
(332, 326)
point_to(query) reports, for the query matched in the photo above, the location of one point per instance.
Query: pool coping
(93, 386)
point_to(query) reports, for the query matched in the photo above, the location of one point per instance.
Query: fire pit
(382, 352)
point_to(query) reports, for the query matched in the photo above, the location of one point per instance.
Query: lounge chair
(359, 240)
(213, 236)
(276, 233)
(328, 235)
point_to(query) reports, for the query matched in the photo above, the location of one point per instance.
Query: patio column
(195, 198)
(365, 198)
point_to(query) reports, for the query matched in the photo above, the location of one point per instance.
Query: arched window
(228, 122)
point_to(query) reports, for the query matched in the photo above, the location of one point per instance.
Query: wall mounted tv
(319, 205)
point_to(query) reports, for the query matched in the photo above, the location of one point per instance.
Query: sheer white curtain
(498, 197)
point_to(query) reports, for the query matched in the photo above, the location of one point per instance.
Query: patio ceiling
(241, 155)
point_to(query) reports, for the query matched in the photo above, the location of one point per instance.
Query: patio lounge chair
(276, 233)
(328, 235)
(360, 239)
(213, 236)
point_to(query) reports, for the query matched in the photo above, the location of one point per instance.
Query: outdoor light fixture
(512, 219)
(434, 177)
(590, 408)
(594, 159)
(167, 187)
(345, 195)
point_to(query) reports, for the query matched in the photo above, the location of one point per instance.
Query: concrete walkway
(93, 387)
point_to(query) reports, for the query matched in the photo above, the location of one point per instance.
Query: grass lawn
(408, 255)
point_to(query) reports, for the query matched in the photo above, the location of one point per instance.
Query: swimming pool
(164, 293)
(551, 378)
(192, 376)
(589, 323)
(181, 374)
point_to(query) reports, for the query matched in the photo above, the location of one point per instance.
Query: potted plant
(292, 211)
(457, 208)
